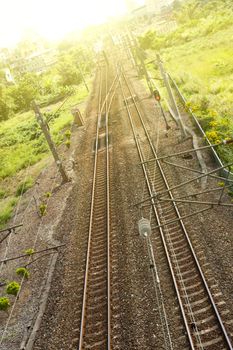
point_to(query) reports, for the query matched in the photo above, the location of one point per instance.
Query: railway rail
(201, 309)
(96, 318)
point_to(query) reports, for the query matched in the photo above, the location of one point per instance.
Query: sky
(53, 19)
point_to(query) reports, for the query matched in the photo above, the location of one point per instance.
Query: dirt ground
(136, 317)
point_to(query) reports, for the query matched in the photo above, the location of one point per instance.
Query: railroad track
(201, 309)
(95, 328)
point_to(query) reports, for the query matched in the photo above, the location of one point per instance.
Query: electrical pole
(82, 75)
(45, 130)
(142, 66)
(171, 97)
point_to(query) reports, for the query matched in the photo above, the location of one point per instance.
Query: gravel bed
(136, 311)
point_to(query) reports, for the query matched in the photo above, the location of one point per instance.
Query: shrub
(213, 136)
(26, 91)
(29, 251)
(5, 104)
(146, 41)
(4, 303)
(69, 75)
(23, 272)
(67, 143)
(2, 193)
(204, 104)
(4, 110)
(68, 134)
(12, 288)
(48, 194)
(42, 209)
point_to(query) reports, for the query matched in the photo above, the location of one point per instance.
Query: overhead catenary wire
(35, 240)
(189, 330)
(8, 242)
(29, 259)
(162, 311)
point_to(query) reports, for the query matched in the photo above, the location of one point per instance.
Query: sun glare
(51, 18)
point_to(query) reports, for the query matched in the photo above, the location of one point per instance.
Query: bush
(4, 303)
(23, 272)
(213, 136)
(69, 75)
(29, 251)
(68, 134)
(146, 41)
(25, 92)
(42, 209)
(13, 288)
(2, 193)
(67, 143)
(4, 110)
(6, 104)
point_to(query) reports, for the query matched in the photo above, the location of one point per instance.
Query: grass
(200, 59)
(22, 145)
(203, 69)
(7, 207)
(21, 141)
(24, 186)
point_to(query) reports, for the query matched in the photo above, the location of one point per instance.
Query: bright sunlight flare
(53, 19)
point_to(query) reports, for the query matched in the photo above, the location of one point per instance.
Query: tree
(146, 41)
(5, 104)
(177, 5)
(25, 91)
(69, 75)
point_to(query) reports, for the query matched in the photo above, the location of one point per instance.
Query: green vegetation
(13, 288)
(68, 134)
(4, 303)
(67, 143)
(7, 207)
(42, 209)
(23, 272)
(48, 87)
(24, 186)
(21, 140)
(29, 251)
(200, 59)
(22, 144)
(2, 193)
(48, 194)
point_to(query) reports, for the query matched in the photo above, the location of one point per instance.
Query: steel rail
(82, 326)
(226, 337)
(103, 106)
(158, 220)
(108, 217)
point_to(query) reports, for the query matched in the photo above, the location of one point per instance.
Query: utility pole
(82, 75)
(131, 51)
(144, 70)
(45, 130)
(171, 97)
(142, 66)
(105, 57)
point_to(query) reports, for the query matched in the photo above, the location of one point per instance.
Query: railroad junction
(142, 245)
